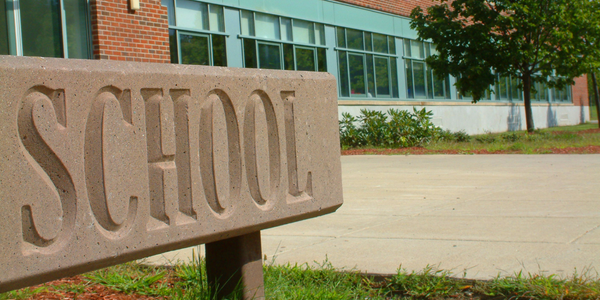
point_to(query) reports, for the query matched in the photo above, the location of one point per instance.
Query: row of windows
(196, 33)
(367, 62)
(272, 42)
(421, 82)
(49, 28)
(507, 88)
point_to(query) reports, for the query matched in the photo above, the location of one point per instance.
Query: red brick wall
(398, 7)
(123, 34)
(580, 92)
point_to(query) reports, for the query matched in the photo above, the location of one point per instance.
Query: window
(539, 91)
(4, 43)
(273, 42)
(48, 28)
(196, 33)
(367, 64)
(507, 88)
(421, 81)
(561, 95)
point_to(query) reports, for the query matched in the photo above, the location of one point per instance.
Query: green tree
(591, 30)
(533, 40)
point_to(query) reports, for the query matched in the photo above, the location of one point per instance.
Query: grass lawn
(584, 138)
(135, 281)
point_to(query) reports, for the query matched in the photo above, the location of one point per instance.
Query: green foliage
(189, 281)
(193, 283)
(25, 293)
(322, 282)
(535, 286)
(556, 39)
(430, 283)
(397, 128)
(510, 136)
(538, 142)
(131, 278)
(461, 136)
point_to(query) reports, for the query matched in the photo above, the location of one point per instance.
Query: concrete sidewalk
(478, 215)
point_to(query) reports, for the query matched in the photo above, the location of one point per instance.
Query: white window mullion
(63, 20)
(17, 28)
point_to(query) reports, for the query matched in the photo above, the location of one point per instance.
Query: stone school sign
(106, 162)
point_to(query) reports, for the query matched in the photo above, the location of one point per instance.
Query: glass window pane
(447, 86)
(250, 54)
(392, 44)
(543, 92)
(429, 78)
(370, 77)
(394, 82)
(410, 89)
(41, 28)
(534, 91)
(341, 37)
(357, 74)
(219, 51)
(3, 29)
(192, 14)
(322, 59)
(515, 93)
(407, 48)
(382, 73)
(269, 56)
(247, 23)
(194, 49)
(170, 10)
(416, 49)
(368, 42)
(305, 59)
(434, 50)
(438, 87)
(286, 29)
(216, 18)
(266, 26)
(319, 34)
(343, 64)
(419, 79)
(380, 43)
(288, 57)
(303, 32)
(77, 29)
(355, 39)
(173, 46)
(503, 88)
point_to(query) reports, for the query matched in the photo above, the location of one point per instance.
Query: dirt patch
(421, 150)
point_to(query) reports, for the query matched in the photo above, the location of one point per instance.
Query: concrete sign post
(107, 162)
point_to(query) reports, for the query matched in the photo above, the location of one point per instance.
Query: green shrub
(486, 138)
(461, 136)
(397, 128)
(510, 136)
(446, 136)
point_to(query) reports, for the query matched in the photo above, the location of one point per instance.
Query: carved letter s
(42, 125)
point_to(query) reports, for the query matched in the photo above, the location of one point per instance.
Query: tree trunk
(527, 101)
(596, 98)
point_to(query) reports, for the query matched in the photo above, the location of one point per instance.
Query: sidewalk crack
(584, 234)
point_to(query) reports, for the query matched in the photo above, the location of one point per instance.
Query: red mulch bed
(593, 130)
(420, 150)
(92, 291)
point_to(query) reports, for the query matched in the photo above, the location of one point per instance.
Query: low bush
(396, 128)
